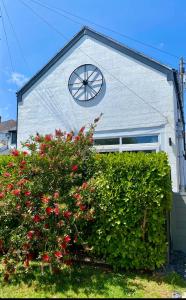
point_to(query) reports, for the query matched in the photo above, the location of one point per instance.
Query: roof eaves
(106, 40)
(132, 53)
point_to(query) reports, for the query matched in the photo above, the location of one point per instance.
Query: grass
(93, 282)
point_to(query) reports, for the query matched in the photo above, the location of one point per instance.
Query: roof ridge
(85, 30)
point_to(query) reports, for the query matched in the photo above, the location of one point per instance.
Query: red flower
(74, 168)
(30, 234)
(77, 196)
(1, 195)
(78, 203)
(42, 147)
(60, 223)
(46, 257)
(45, 199)
(82, 207)
(49, 210)
(84, 185)
(27, 193)
(58, 254)
(48, 137)
(67, 214)
(69, 136)
(27, 145)
(56, 195)
(63, 245)
(37, 138)
(82, 129)
(28, 203)
(58, 132)
(10, 186)
(22, 181)
(29, 256)
(6, 174)
(77, 138)
(18, 207)
(23, 162)
(26, 246)
(56, 211)
(46, 226)
(10, 164)
(67, 239)
(15, 152)
(16, 192)
(25, 153)
(36, 219)
(26, 263)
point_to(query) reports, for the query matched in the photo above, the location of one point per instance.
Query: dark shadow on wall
(178, 222)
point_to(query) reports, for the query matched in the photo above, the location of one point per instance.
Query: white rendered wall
(48, 105)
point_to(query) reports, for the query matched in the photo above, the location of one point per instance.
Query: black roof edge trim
(51, 62)
(129, 52)
(104, 39)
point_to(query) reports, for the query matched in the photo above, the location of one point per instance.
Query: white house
(139, 97)
(8, 136)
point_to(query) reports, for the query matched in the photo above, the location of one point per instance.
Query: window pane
(145, 151)
(107, 152)
(140, 139)
(13, 141)
(111, 141)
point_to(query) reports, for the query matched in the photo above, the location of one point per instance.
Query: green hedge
(133, 195)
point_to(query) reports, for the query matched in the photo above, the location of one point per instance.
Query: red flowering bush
(45, 199)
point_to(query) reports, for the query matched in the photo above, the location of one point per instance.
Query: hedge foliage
(133, 192)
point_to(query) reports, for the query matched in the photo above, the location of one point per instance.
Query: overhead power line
(15, 34)
(48, 105)
(113, 76)
(62, 11)
(6, 38)
(44, 20)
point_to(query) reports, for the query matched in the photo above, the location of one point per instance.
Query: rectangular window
(14, 137)
(140, 139)
(107, 141)
(145, 151)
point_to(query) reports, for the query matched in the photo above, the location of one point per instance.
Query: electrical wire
(59, 11)
(6, 38)
(121, 82)
(15, 34)
(44, 20)
(48, 105)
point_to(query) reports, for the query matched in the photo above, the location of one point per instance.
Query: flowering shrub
(4, 159)
(45, 199)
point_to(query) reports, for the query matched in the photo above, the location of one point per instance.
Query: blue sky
(160, 23)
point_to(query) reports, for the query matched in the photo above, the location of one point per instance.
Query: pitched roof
(7, 125)
(105, 40)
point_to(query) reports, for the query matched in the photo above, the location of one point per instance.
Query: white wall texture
(48, 105)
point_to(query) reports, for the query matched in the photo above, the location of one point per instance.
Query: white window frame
(128, 147)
